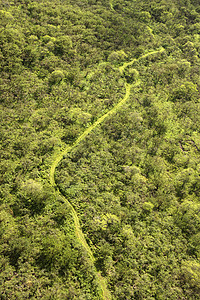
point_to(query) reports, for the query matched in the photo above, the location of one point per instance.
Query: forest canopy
(130, 177)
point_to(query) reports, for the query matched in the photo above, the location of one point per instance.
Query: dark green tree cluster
(134, 181)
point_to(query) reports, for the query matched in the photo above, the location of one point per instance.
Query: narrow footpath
(104, 292)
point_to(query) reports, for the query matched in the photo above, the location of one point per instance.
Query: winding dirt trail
(104, 292)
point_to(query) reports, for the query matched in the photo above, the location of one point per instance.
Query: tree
(56, 77)
(187, 217)
(191, 273)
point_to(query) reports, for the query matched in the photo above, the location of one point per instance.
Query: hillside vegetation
(100, 156)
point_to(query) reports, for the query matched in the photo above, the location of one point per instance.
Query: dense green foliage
(134, 181)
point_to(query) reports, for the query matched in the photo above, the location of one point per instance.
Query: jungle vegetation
(133, 181)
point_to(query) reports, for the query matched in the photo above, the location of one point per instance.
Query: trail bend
(104, 292)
